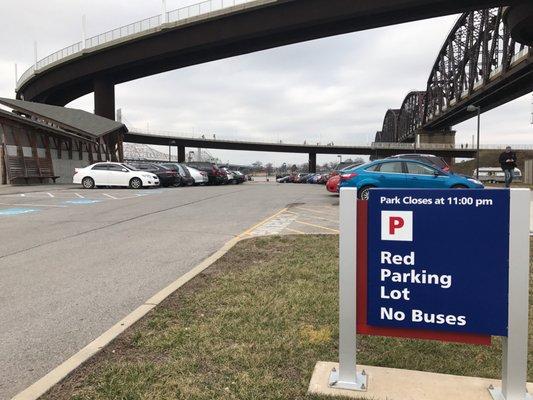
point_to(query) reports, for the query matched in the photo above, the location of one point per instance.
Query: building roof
(40, 125)
(70, 119)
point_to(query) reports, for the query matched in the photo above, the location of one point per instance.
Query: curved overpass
(160, 44)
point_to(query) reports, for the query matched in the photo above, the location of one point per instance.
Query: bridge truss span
(411, 114)
(479, 64)
(478, 51)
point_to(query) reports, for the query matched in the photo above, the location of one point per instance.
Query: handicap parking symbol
(82, 201)
(16, 211)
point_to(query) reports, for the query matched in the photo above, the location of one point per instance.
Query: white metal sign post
(347, 377)
(515, 347)
(515, 344)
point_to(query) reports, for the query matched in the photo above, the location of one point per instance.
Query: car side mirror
(124, 170)
(436, 173)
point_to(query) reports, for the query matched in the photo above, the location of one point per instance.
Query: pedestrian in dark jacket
(508, 164)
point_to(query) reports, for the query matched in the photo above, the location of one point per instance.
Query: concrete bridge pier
(445, 136)
(104, 98)
(181, 154)
(312, 163)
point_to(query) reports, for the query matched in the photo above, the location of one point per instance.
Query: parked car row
(303, 178)
(139, 174)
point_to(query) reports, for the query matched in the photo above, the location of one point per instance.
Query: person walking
(508, 164)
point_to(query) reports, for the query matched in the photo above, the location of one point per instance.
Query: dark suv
(167, 177)
(186, 178)
(430, 159)
(216, 175)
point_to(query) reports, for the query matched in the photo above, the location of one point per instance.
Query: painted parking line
(313, 211)
(79, 195)
(317, 226)
(314, 217)
(295, 231)
(111, 197)
(7, 212)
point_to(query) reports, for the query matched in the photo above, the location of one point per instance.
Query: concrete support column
(444, 137)
(440, 137)
(104, 98)
(181, 154)
(312, 163)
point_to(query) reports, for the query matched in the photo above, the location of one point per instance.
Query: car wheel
(88, 183)
(364, 192)
(459, 187)
(136, 183)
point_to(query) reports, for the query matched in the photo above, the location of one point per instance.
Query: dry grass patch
(252, 327)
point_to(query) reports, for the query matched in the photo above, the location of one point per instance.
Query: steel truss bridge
(479, 64)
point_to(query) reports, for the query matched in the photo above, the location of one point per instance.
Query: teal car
(403, 173)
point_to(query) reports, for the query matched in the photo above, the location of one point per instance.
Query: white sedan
(113, 174)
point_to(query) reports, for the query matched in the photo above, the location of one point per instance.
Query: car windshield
(363, 166)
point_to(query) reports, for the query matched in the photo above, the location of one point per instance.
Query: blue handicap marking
(82, 201)
(16, 211)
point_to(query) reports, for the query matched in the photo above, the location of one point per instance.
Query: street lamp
(478, 109)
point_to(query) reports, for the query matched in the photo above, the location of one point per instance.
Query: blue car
(404, 173)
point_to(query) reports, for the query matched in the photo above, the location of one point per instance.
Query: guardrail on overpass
(313, 144)
(202, 9)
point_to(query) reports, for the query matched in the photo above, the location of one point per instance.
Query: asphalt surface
(74, 262)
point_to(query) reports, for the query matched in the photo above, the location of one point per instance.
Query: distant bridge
(376, 149)
(479, 64)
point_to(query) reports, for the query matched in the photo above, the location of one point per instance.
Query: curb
(55, 376)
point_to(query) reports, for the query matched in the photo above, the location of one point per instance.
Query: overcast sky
(330, 90)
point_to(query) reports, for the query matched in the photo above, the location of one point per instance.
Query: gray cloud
(335, 89)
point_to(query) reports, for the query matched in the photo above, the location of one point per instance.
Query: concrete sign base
(401, 384)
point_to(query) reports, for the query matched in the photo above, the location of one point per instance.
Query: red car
(333, 183)
(335, 179)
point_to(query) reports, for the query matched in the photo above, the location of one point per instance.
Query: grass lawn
(252, 327)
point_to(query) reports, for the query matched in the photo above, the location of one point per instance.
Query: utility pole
(16, 77)
(35, 53)
(164, 15)
(83, 31)
(478, 109)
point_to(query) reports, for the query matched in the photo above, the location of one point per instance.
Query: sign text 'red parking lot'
(428, 267)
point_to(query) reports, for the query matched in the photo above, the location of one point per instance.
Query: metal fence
(181, 14)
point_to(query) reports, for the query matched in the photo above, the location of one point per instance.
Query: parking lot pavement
(84, 259)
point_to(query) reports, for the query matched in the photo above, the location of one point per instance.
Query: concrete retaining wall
(64, 168)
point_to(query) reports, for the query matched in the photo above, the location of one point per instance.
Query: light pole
(170, 143)
(478, 109)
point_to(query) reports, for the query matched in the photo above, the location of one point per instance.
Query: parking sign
(439, 260)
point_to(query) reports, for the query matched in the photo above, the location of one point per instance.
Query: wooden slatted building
(42, 143)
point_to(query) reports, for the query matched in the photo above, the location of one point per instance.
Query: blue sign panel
(439, 260)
